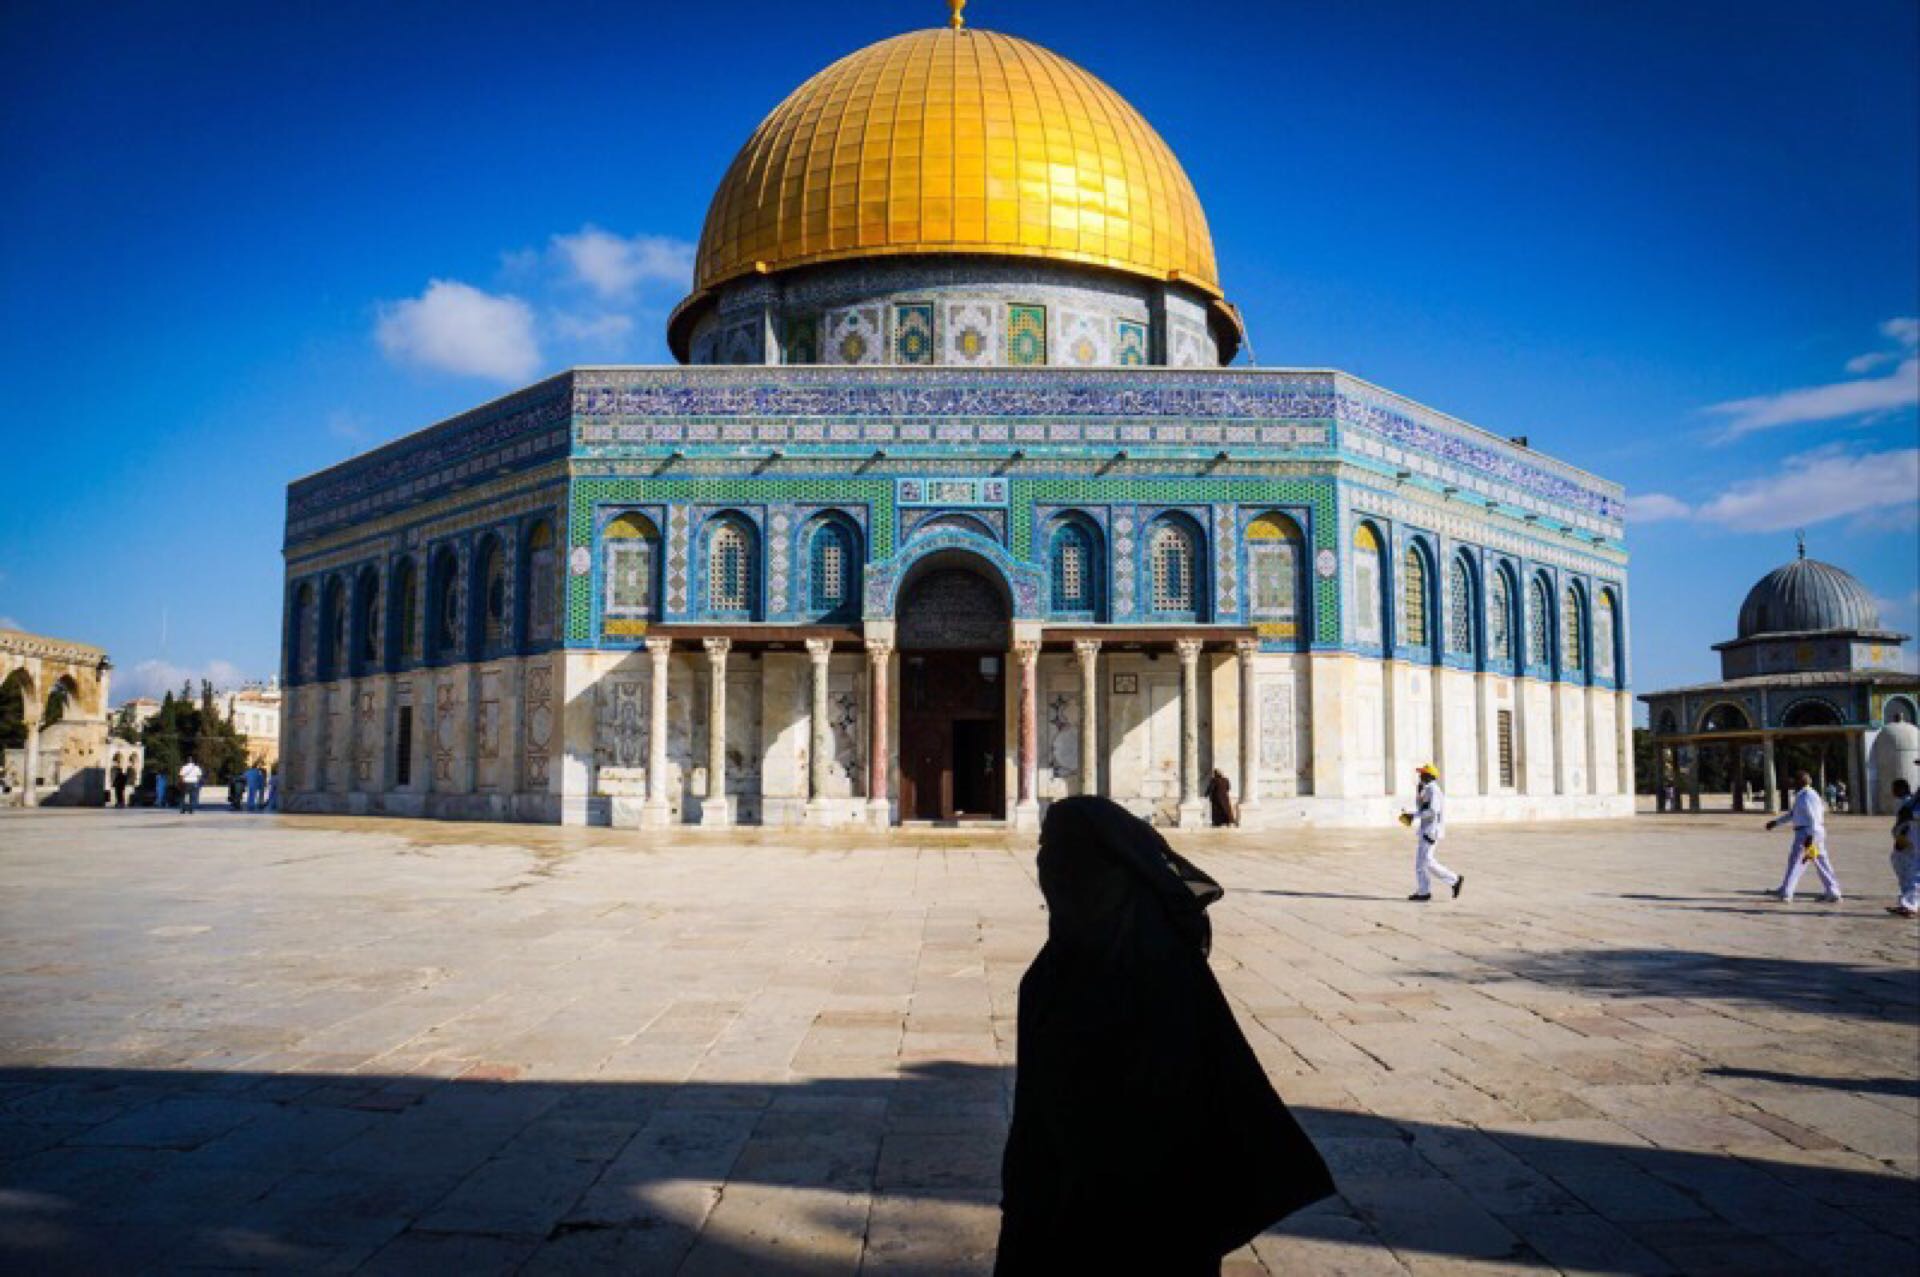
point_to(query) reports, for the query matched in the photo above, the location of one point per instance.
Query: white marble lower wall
(567, 738)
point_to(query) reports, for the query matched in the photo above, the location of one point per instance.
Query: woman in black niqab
(1146, 1137)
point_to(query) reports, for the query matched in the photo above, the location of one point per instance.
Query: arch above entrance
(1022, 584)
(954, 602)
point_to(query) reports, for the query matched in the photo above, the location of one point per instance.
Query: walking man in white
(1906, 850)
(1808, 816)
(1429, 823)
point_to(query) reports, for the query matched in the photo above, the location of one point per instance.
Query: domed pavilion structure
(1811, 672)
(956, 504)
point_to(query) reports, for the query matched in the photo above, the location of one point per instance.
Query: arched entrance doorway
(954, 631)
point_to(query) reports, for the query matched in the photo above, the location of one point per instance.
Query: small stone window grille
(1572, 649)
(1274, 546)
(1366, 586)
(1413, 628)
(1173, 569)
(829, 568)
(1460, 610)
(1603, 636)
(728, 569)
(1539, 633)
(1500, 619)
(631, 559)
(1072, 571)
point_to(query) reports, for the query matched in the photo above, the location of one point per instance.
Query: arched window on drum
(1415, 630)
(1573, 645)
(1606, 629)
(1539, 625)
(443, 606)
(630, 571)
(1369, 587)
(1500, 621)
(366, 621)
(491, 587)
(403, 613)
(1460, 611)
(1173, 565)
(833, 569)
(540, 609)
(732, 587)
(333, 630)
(1073, 569)
(1276, 555)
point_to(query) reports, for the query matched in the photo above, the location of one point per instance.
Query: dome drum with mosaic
(953, 507)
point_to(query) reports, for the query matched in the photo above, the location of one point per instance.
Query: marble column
(30, 780)
(1693, 776)
(1026, 814)
(657, 811)
(1856, 771)
(1769, 774)
(1248, 652)
(879, 749)
(713, 811)
(820, 742)
(1087, 652)
(1193, 809)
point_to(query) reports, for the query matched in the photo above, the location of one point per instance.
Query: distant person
(121, 776)
(1428, 820)
(236, 791)
(190, 775)
(273, 790)
(1840, 795)
(256, 786)
(1146, 1137)
(1833, 796)
(1808, 816)
(1220, 799)
(1906, 850)
(159, 787)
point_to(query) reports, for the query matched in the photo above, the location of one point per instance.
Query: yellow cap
(1428, 769)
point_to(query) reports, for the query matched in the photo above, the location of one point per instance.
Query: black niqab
(1146, 1137)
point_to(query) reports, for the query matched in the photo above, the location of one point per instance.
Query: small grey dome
(1807, 594)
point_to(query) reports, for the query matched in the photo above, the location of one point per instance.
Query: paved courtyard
(304, 1043)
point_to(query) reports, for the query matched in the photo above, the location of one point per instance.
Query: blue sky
(1678, 245)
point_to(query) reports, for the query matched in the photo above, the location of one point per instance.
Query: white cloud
(8, 623)
(609, 329)
(614, 267)
(1656, 507)
(348, 426)
(1835, 400)
(455, 327)
(155, 678)
(1828, 483)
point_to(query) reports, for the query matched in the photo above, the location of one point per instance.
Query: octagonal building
(952, 508)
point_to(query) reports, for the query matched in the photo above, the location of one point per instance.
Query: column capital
(717, 647)
(659, 648)
(1189, 649)
(1086, 650)
(819, 649)
(1246, 649)
(879, 650)
(1026, 651)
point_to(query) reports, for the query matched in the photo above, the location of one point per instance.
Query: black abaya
(1146, 1137)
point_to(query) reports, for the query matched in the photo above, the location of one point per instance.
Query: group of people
(1806, 815)
(256, 789)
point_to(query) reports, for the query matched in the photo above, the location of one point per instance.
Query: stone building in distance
(953, 508)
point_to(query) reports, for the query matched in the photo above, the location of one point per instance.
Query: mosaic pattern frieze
(1152, 407)
(854, 336)
(1026, 335)
(1226, 560)
(970, 334)
(1130, 344)
(913, 333)
(1026, 582)
(984, 522)
(1085, 340)
(516, 433)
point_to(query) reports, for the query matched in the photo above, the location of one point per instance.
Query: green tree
(185, 729)
(13, 711)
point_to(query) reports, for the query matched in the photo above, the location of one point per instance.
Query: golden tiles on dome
(956, 140)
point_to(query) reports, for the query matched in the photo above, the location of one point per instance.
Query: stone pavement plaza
(313, 1043)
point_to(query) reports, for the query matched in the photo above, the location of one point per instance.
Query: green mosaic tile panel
(1316, 494)
(913, 333)
(877, 494)
(1026, 335)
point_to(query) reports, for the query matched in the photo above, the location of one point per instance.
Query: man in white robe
(1429, 823)
(1808, 816)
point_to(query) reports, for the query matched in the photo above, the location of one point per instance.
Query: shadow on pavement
(1906, 1087)
(1809, 986)
(113, 1171)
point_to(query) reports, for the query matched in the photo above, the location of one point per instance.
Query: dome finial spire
(1800, 539)
(955, 18)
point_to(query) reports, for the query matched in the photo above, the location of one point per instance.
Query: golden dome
(955, 140)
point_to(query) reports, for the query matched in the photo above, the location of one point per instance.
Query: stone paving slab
(310, 1044)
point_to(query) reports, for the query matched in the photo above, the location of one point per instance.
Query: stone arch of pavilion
(73, 771)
